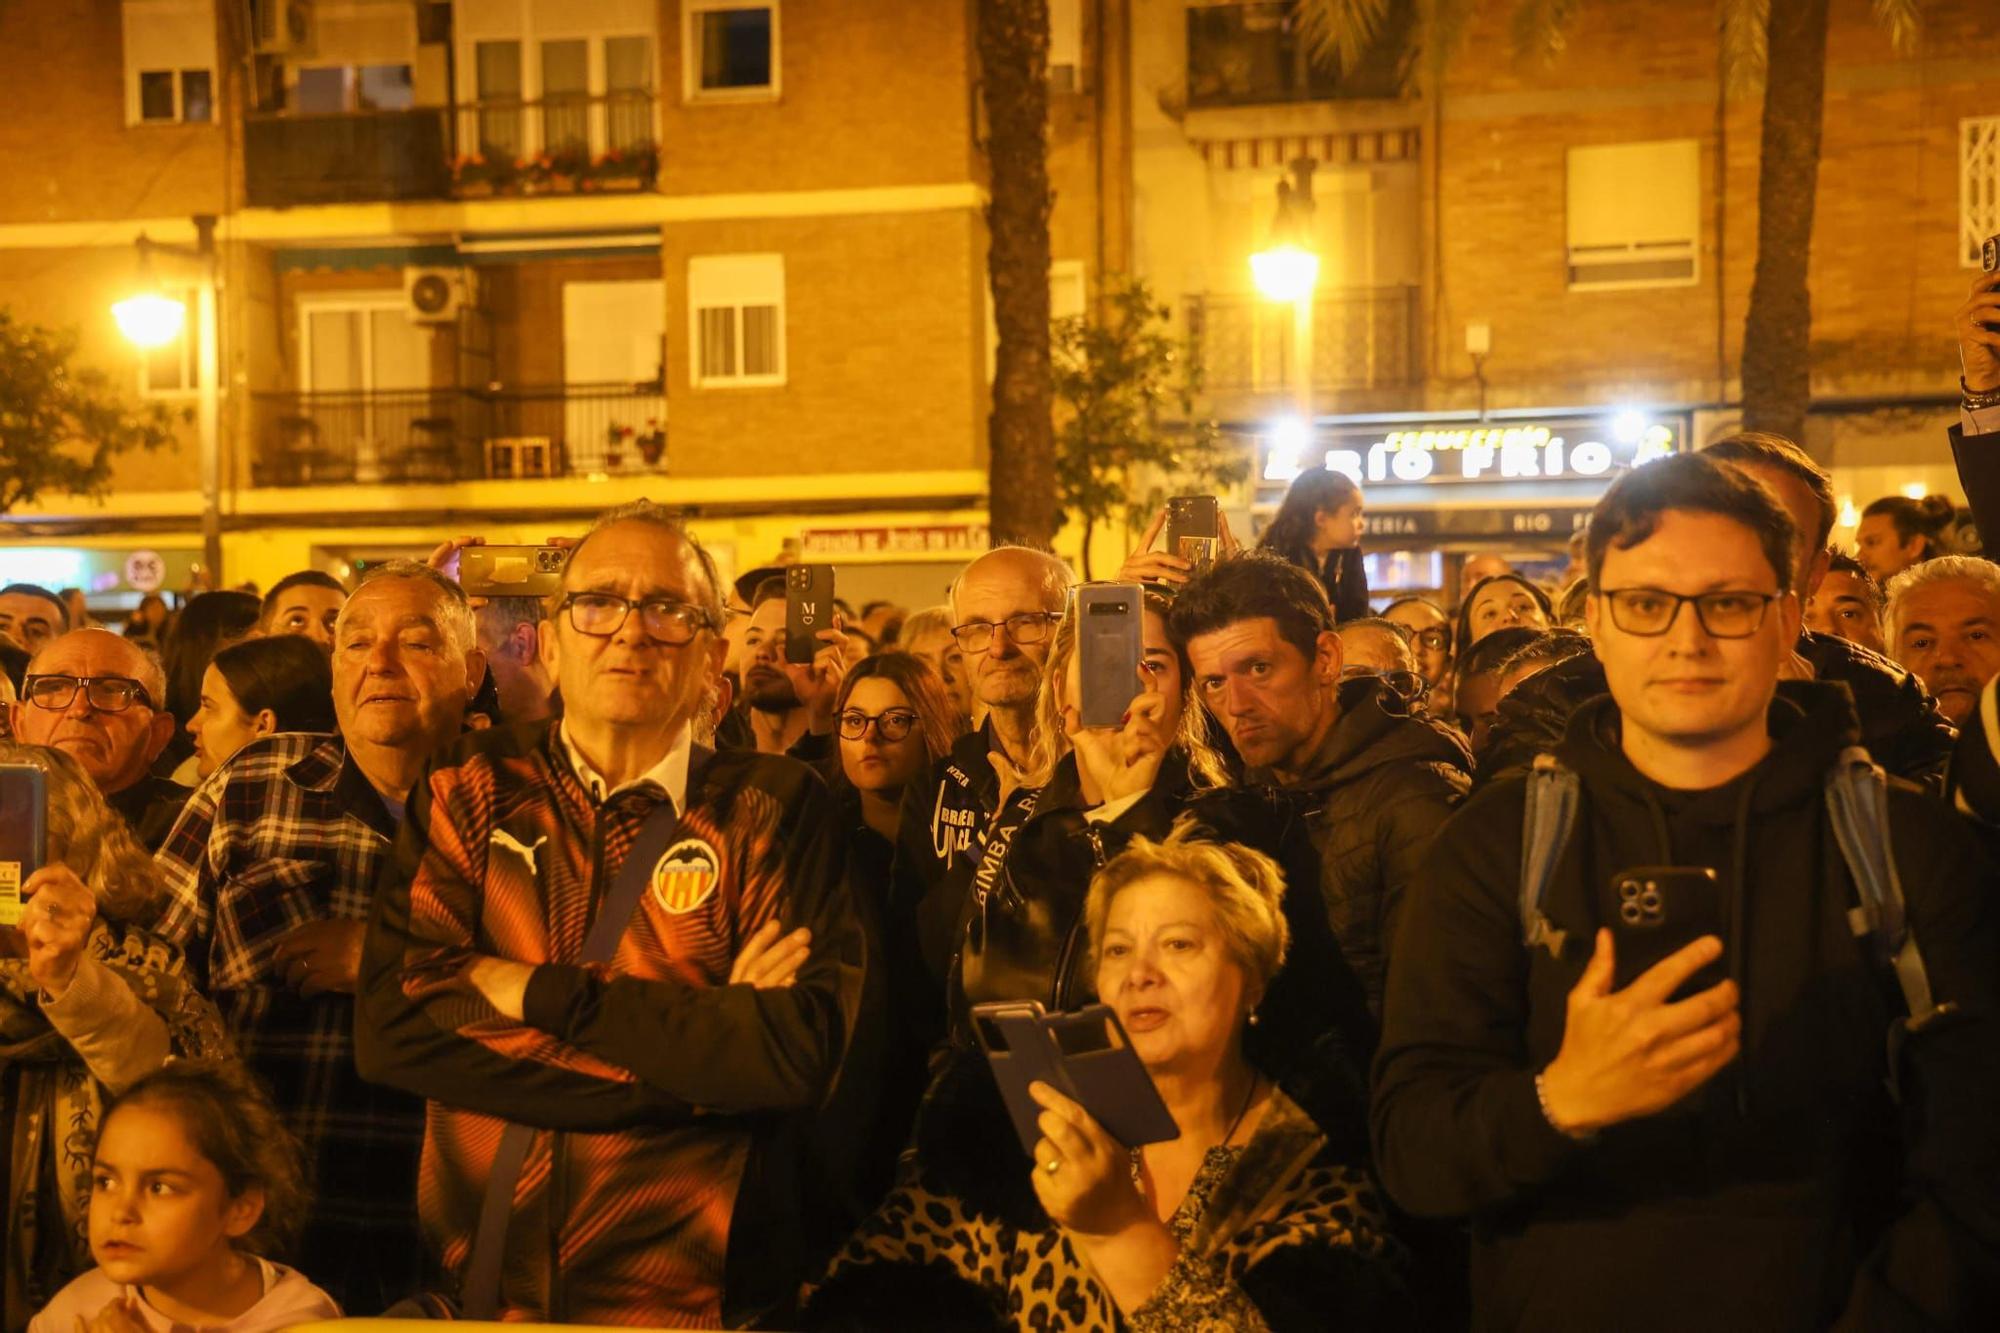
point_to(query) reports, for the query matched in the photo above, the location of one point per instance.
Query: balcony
(1363, 338)
(559, 145)
(429, 436)
(1254, 54)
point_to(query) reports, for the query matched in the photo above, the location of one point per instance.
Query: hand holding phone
(1977, 325)
(24, 803)
(1109, 648)
(1083, 1055)
(511, 571)
(809, 610)
(56, 922)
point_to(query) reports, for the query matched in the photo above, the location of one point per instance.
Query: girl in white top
(194, 1177)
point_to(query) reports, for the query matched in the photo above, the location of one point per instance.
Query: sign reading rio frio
(1581, 448)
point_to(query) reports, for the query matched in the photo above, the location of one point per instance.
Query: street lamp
(1287, 270)
(150, 319)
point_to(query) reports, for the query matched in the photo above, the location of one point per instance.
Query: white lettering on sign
(1483, 453)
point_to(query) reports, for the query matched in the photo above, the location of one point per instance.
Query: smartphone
(1653, 911)
(1109, 648)
(1989, 254)
(1194, 529)
(1083, 1055)
(511, 571)
(808, 609)
(24, 803)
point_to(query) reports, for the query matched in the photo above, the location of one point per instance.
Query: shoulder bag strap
(1546, 824)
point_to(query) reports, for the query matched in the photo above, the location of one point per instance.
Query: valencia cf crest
(684, 878)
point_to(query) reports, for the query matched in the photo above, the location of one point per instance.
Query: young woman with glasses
(894, 720)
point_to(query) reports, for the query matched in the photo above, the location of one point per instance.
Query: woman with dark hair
(894, 720)
(206, 623)
(1501, 601)
(148, 622)
(258, 688)
(1318, 528)
(1897, 532)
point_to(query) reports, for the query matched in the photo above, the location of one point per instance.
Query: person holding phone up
(1705, 1141)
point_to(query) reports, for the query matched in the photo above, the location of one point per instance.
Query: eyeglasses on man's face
(1406, 685)
(1433, 640)
(891, 725)
(665, 620)
(976, 636)
(106, 694)
(1651, 612)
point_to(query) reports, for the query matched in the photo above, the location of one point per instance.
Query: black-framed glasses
(107, 694)
(1406, 685)
(1650, 612)
(1436, 639)
(891, 724)
(976, 636)
(665, 620)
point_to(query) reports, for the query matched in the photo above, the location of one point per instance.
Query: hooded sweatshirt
(288, 1299)
(1764, 1199)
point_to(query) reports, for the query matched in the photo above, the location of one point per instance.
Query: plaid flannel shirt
(287, 832)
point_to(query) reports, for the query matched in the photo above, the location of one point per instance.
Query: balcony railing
(558, 145)
(1254, 53)
(1363, 338)
(409, 436)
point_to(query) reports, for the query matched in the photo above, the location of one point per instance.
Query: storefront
(1442, 489)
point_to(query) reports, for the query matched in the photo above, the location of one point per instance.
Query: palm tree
(1781, 42)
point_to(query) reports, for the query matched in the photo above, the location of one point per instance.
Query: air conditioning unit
(434, 295)
(281, 26)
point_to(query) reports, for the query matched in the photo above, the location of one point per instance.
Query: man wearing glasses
(101, 699)
(1675, 1094)
(618, 1112)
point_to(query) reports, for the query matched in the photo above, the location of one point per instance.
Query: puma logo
(503, 838)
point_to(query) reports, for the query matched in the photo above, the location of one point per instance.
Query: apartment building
(1540, 275)
(494, 265)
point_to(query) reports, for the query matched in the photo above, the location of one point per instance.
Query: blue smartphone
(24, 804)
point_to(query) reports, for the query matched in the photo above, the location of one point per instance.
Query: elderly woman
(1253, 1218)
(88, 1005)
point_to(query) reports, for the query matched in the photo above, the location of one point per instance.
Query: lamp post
(150, 319)
(1288, 270)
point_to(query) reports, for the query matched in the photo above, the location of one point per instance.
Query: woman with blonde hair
(89, 1004)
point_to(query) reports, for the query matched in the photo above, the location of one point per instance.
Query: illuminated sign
(932, 539)
(1580, 449)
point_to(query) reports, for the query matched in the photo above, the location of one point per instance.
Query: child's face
(158, 1209)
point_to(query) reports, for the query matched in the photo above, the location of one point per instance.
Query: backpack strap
(1857, 801)
(1550, 815)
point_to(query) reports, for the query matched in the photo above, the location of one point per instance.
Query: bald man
(101, 699)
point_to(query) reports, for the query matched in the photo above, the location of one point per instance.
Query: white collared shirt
(670, 775)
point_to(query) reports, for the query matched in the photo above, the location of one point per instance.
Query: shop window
(729, 49)
(1634, 215)
(1978, 185)
(736, 306)
(173, 370)
(169, 48)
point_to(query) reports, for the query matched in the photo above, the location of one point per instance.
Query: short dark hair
(1630, 511)
(1549, 646)
(1840, 562)
(207, 622)
(1491, 653)
(304, 578)
(1760, 448)
(1927, 518)
(1461, 626)
(286, 673)
(1251, 586)
(37, 590)
(768, 589)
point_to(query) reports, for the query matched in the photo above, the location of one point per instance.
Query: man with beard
(789, 706)
(1944, 624)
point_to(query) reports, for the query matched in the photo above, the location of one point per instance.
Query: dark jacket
(1759, 1202)
(1900, 723)
(1381, 786)
(1978, 460)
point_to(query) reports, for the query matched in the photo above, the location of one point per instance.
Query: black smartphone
(1109, 647)
(1654, 911)
(511, 571)
(24, 804)
(808, 609)
(1989, 254)
(1083, 1055)
(1194, 529)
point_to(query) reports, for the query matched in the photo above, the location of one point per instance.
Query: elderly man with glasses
(101, 699)
(624, 970)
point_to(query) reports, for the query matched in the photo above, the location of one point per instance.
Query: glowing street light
(1285, 273)
(149, 319)
(1287, 270)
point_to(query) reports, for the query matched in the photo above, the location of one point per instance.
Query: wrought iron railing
(1363, 338)
(410, 436)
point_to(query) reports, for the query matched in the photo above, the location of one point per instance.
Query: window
(1066, 46)
(1634, 215)
(363, 342)
(1978, 185)
(736, 312)
(729, 50)
(333, 89)
(169, 62)
(173, 370)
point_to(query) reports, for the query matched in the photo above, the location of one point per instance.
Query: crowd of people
(1620, 953)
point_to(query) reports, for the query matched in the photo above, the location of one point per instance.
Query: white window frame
(189, 342)
(695, 306)
(691, 89)
(1690, 249)
(1978, 185)
(334, 303)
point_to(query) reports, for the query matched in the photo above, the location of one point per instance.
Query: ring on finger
(1052, 1166)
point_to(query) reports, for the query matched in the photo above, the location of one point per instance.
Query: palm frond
(1541, 29)
(1339, 32)
(1905, 21)
(1744, 30)
(1441, 29)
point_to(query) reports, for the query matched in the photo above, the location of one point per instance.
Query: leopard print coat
(1281, 1200)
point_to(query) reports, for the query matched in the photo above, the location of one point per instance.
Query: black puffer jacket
(1381, 786)
(1900, 723)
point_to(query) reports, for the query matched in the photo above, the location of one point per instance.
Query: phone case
(1654, 911)
(808, 609)
(23, 820)
(1085, 1056)
(1109, 647)
(1194, 529)
(511, 571)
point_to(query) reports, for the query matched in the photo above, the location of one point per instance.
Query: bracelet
(1574, 1135)
(1978, 400)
